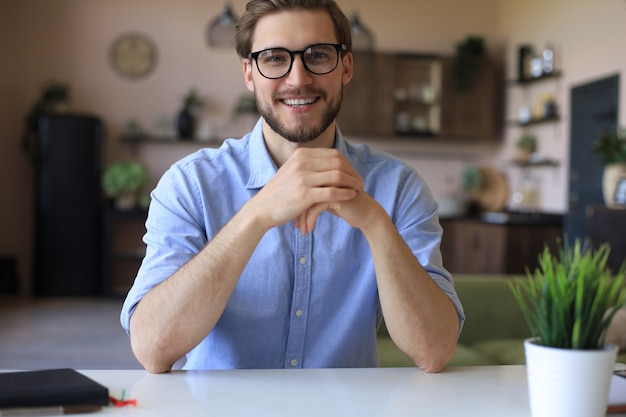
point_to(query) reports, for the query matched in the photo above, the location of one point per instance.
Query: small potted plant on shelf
(471, 180)
(526, 146)
(123, 181)
(568, 303)
(611, 147)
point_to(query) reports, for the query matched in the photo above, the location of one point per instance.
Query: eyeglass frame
(341, 48)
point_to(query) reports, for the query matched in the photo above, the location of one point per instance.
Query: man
(285, 248)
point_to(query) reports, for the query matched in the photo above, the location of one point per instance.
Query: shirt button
(302, 260)
(298, 313)
(293, 362)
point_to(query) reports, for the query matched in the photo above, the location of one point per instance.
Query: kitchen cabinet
(122, 249)
(473, 246)
(474, 114)
(412, 95)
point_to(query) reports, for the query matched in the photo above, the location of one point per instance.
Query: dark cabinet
(367, 107)
(395, 94)
(474, 246)
(123, 249)
(476, 112)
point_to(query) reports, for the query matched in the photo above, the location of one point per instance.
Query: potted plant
(471, 181)
(611, 147)
(526, 146)
(186, 122)
(469, 55)
(123, 181)
(54, 97)
(568, 303)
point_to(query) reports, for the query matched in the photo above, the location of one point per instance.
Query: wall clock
(133, 55)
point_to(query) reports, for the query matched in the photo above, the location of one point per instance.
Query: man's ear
(247, 73)
(347, 68)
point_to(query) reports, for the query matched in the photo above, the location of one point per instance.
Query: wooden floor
(46, 333)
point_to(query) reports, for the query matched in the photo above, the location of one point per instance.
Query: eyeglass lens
(277, 62)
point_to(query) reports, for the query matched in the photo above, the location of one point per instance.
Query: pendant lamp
(362, 36)
(221, 30)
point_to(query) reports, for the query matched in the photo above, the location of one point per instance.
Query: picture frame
(620, 191)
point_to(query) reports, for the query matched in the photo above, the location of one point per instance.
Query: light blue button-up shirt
(302, 301)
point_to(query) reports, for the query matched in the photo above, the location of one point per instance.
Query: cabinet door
(525, 243)
(473, 247)
(367, 107)
(474, 113)
(483, 247)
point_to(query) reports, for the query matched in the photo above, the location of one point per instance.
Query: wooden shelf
(537, 164)
(544, 77)
(533, 122)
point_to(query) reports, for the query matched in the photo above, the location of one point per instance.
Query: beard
(303, 132)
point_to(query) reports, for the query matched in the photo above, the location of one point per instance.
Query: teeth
(299, 101)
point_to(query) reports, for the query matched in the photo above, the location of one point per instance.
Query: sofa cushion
(390, 356)
(468, 356)
(491, 311)
(503, 351)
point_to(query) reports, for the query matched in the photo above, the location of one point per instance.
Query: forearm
(177, 314)
(420, 317)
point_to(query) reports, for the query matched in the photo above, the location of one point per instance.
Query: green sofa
(494, 328)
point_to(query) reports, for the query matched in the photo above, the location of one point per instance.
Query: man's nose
(299, 75)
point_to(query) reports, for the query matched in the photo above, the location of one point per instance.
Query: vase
(185, 125)
(610, 177)
(126, 201)
(568, 382)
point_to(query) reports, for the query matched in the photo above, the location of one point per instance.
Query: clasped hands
(311, 181)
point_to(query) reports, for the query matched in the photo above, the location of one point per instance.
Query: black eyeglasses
(318, 59)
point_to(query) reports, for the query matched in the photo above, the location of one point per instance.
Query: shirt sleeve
(173, 236)
(417, 220)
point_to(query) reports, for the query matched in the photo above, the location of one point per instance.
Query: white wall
(588, 37)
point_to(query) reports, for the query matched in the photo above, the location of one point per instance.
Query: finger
(312, 214)
(327, 161)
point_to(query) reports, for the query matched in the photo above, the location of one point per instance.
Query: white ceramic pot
(612, 174)
(568, 382)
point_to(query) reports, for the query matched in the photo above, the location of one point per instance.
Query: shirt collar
(262, 167)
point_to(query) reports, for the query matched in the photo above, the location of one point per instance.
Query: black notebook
(53, 387)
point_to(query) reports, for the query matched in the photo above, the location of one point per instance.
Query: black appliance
(68, 164)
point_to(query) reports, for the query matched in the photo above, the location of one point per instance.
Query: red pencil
(617, 408)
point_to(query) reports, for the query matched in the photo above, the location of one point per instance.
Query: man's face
(299, 106)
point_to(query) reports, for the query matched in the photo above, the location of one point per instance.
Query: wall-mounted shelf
(543, 77)
(538, 121)
(536, 164)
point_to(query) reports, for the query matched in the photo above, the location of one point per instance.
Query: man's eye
(275, 59)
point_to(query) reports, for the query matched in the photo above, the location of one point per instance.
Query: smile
(299, 101)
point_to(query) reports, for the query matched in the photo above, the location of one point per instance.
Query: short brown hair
(256, 9)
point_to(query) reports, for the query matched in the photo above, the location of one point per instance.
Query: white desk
(465, 391)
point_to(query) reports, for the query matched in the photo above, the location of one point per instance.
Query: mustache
(310, 91)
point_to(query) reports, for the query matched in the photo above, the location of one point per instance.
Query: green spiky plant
(569, 301)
